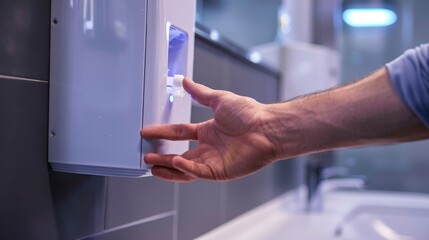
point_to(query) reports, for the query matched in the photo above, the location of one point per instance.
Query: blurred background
(362, 50)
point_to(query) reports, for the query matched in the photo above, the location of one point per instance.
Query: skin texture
(245, 135)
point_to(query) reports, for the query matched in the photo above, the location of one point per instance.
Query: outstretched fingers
(171, 132)
(163, 167)
(184, 169)
(202, 94)
(192, 168)
(163, 160)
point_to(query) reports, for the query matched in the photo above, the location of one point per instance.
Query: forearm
(368, 112)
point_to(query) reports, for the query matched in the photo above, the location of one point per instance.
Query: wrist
(285, 128)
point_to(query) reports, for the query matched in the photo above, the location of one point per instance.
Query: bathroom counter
(346, 215)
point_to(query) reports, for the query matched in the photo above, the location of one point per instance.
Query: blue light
(255, 57)
(171, 98)
(369, 17)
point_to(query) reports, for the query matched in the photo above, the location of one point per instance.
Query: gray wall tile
(79, 203)
(210, 66)
(24, 38)
(200, 208)
(247, 81)
(131, 199)
(36, 203)
(161, 229)
(248, 192)
(26, 208)
(288, 174)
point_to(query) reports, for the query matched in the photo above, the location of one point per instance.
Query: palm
(230, 145)
(226, 143)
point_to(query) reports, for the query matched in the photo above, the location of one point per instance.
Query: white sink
(345, 215)
(385, 222)
(381, 215)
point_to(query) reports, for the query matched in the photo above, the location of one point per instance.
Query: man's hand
(231, 145)
(245, 135)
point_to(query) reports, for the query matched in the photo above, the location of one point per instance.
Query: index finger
(171, 132)
(202, 94)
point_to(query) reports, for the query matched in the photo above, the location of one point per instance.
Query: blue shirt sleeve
(409, 74)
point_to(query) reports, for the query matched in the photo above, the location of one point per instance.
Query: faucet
(323, 178)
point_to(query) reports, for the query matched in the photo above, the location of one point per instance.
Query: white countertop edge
(257, 221)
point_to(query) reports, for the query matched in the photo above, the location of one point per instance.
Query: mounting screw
(52, 133)
(55, 21)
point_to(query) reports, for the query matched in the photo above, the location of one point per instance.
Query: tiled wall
(26, 209)
(37, 203)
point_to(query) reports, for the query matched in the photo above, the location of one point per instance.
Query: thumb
(202, 94)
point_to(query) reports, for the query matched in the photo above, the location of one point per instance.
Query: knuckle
(178, 130)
